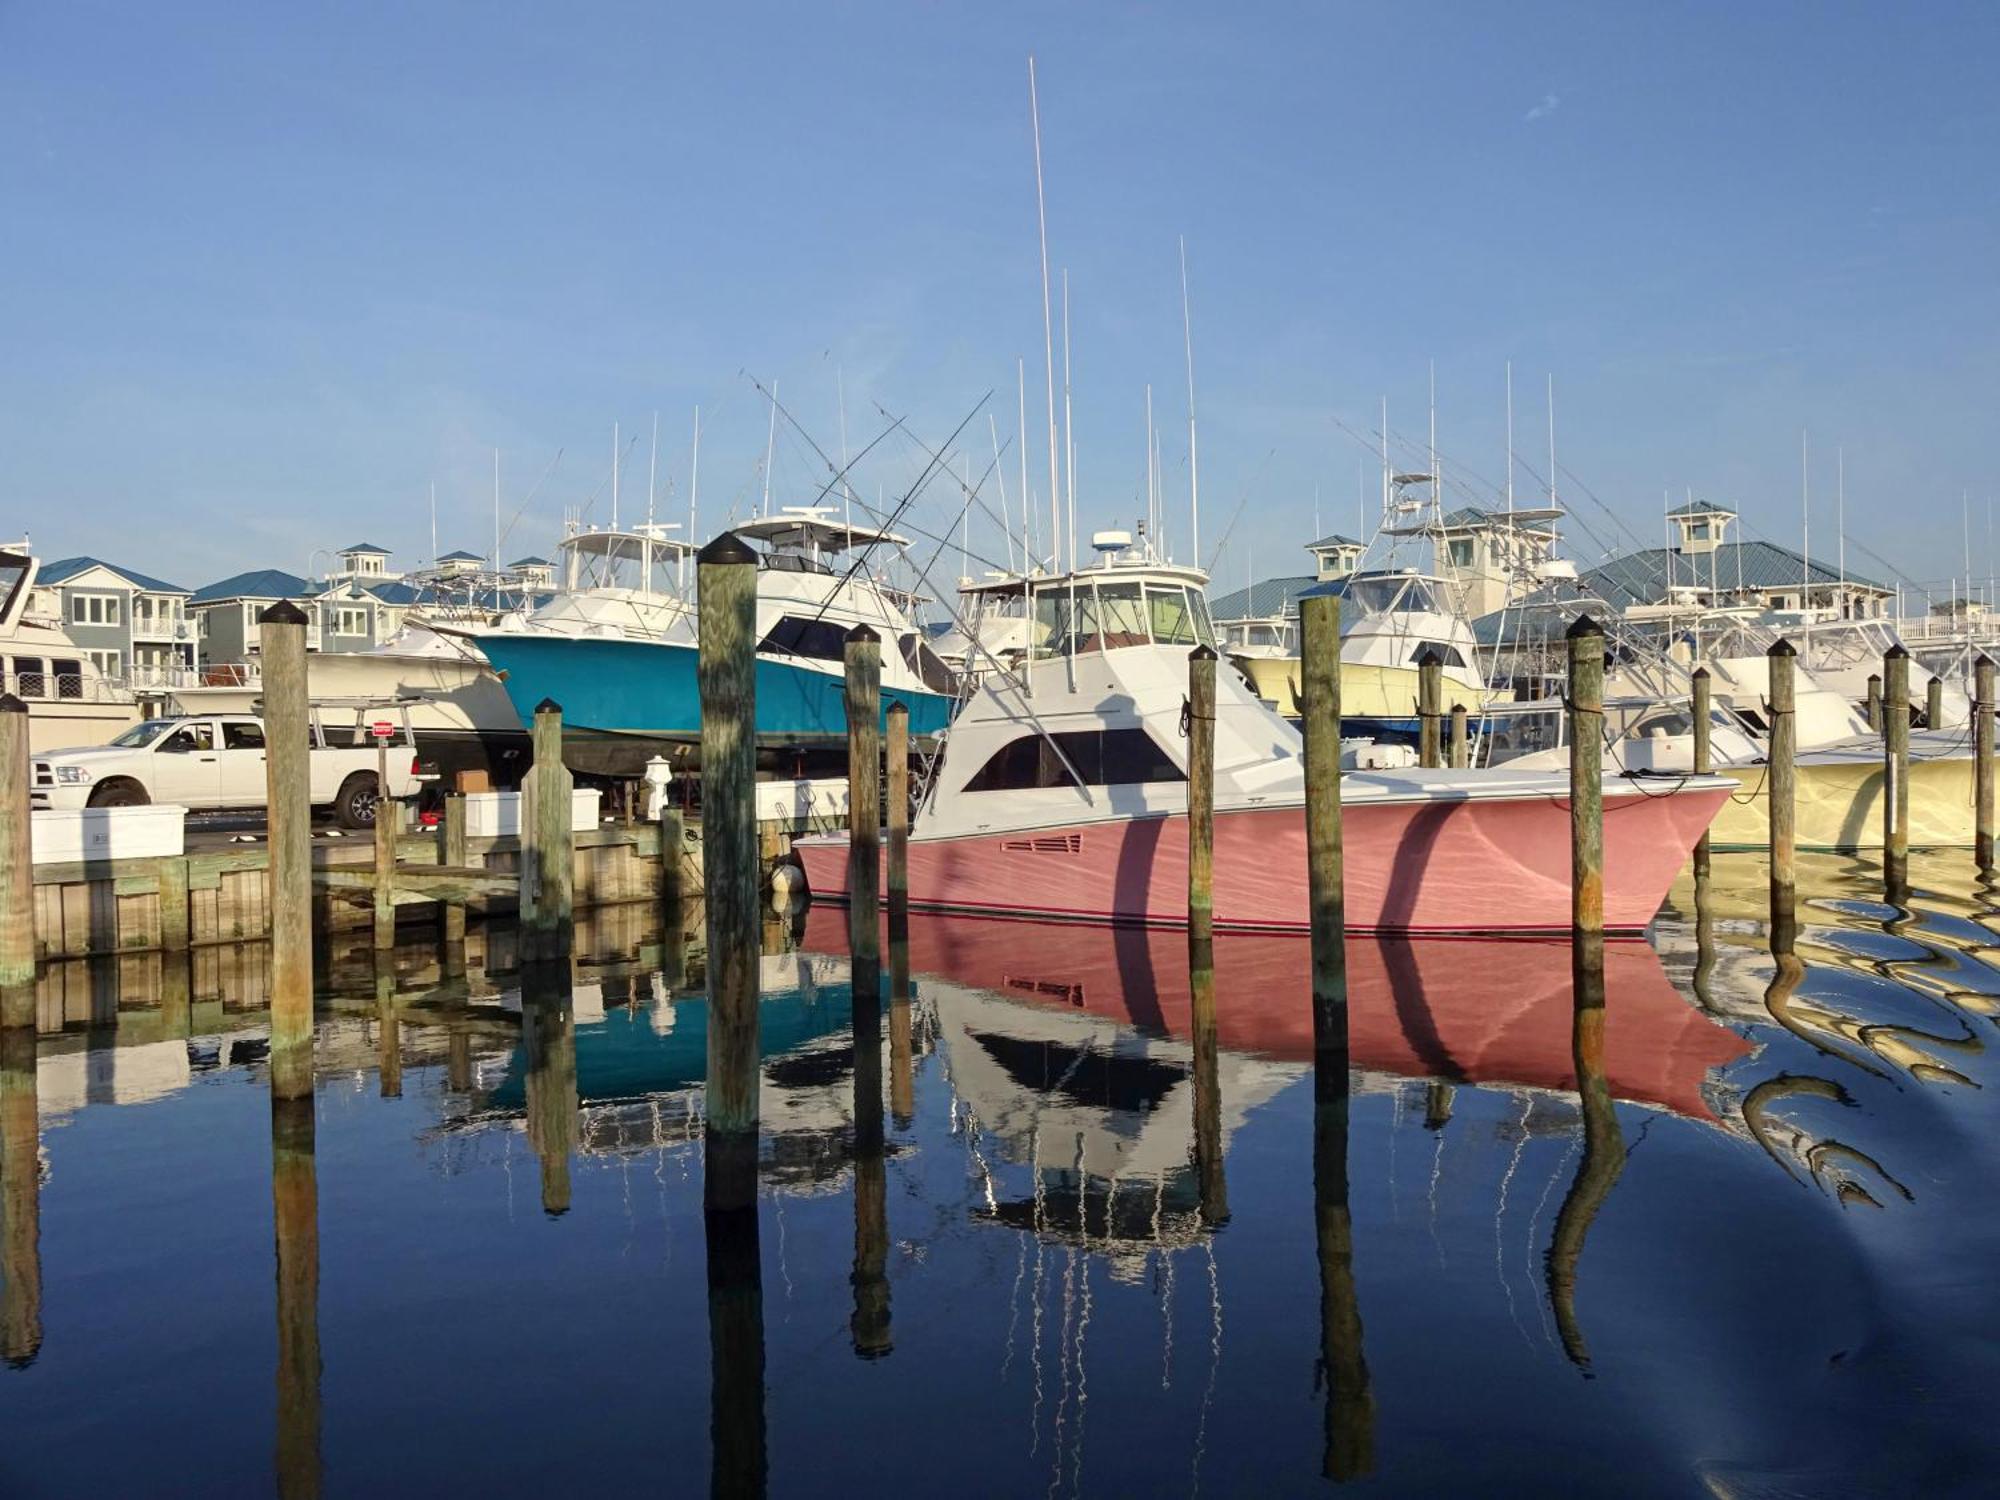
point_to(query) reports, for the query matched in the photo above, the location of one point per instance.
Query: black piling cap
(1701, 674)
(1202, 653)
(898, 706)
(548, 706)
(726, 548)
(9, 704)
(1584, 626)
(1896, 651)
(861, 635)
(1430, 658)
(1982, 660)
(1782, 648)
(284, 612)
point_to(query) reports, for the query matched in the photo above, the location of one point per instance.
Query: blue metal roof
(66, 568)
(1701, 508)
(529, 562)
(259, 583)
(1333, 539)
(1261, 601)
(368, 547)
(461, 557)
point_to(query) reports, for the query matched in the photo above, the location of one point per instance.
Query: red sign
(382, 729)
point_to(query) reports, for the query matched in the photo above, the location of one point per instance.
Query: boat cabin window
(68, 673)
(31, 677)
(1112, 615)
(1173, 625)
(1102, 757)
(1447, 653)
(1384, 592)
(1121, 622)
(792, 562)
(800, 635)
(1511, 734)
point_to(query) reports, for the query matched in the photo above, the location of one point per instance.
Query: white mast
(1965, 522)
(614, 480)
(496, 508)
(1048, 324)
(1510, 437)
(1194, 462)
(434, 523)
(999, 473)
(1385, 466)
(1069, 432)
(770, 447)
(1552, 440)
(1840, 519)
(694, 493)
(1437, 484)
(1152, 516)
(652, 478)
(964, 518)
(1021, 437)
(1805, 523)
(846, 489)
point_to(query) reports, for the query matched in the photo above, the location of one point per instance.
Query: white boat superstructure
(1844, 654)
(70, 702)
(616, 584)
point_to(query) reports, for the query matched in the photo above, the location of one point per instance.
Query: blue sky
(269, 272)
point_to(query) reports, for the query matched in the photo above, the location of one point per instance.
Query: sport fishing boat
(1062, 792)
(628, 694)
(69, 701)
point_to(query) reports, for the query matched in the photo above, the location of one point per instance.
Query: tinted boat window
(1448, 655)
(1174, 626)
(797, 635)
(1120, 616)
(1103, 757)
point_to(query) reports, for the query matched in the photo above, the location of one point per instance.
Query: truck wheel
(355, 805)
(119, 794)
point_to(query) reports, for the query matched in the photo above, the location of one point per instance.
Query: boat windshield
(13, 572)
(1382, 593)
(1085, 615)
(141, 735)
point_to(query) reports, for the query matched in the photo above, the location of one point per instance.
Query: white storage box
(803, 806)
(94, 833)
(493, 815)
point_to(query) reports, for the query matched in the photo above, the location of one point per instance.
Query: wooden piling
(868, 1324)
(295, 1212)
(20, 1198)
(388, 1027)
(1596, 1174)
(673, 863)
(548, 1043)
(176, 927)
(1460, 741)
(1348, 1432)
(737, 1461)
(547, 845)
(1319, 697)
(896, 752)
(1896, 768)
(1210, 1182)
(1781, 777)
(288, 819)
(1872, 705)
(1430, 695)
(726, 601)
(1934, 704)
(1983, 708)
(863, 661)
(454, 852)
(17, 868)
(1201, 795)
(1586, 786)
(388, 819)
(1704, 754)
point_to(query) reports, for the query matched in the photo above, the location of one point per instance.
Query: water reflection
(295, 1211)
(20, 1199)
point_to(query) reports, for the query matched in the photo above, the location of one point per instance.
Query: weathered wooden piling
(1586, 786)
(20, 1198)
(1872, 705)
(547, 852)
(1781, 777)
(288, 821)
(453, 852)
(1430, 697)
(1348, 1444)
(1934, 704)
(176, 918)
(1983, 708)
(737, 1462)
(1201, 794)
(1460, 740)
(548, 1044)
(1208, 1166)
(1896, 768)
(388, 824)
(726, 602)
(896, 753)
(863, 660)
(1319, 697)
(1704, 755)
(17, 868)
(295, 1212)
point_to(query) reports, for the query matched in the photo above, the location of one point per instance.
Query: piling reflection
(735, 1353)
(20, 1199)
(1206, 1046)
(1349, 1430)
(295, 1209)
(1603, 1153)
(868, 1325)
(548, 1044)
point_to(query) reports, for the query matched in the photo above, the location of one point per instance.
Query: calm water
(1094, 1255)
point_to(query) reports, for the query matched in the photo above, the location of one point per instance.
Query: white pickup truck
(206, 762)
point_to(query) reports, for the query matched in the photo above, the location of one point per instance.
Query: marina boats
(69, 701)
(628, 690)
(1062, 792)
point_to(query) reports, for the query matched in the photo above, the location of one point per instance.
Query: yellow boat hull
(1365, 692)
(1840, 806)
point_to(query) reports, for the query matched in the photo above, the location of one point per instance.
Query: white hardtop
(814, 531)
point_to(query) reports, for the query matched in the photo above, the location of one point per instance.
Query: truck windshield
(141, 735)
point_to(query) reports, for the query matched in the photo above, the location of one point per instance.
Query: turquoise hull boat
(622, 700)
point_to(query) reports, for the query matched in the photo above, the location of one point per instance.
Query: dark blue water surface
(1086, 1261)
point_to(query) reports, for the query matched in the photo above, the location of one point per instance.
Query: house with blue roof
(133, 626)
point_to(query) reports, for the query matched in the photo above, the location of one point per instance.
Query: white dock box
(494, 815)
(803, 806)
(96, 833)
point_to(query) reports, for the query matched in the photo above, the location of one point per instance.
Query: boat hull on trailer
(624, 701)
(1439, 865)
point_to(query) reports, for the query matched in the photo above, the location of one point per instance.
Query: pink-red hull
(1471, 865)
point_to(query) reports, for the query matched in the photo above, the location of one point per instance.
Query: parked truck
(215, 762)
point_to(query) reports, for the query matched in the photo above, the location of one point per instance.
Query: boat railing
(62, 687)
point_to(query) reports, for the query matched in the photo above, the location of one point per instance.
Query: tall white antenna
(614, 478)
(1965, 521)
(1510, 437)
(1152, 515)
(652, 478)
(496, 508)
(770, 447)
(1069, 432)
(694, 493)
(434, 523)
(1805, 522)
(1006, 514)
(1048, 322)
(1437, 483)
(1021, 438)
(1840, 519)
(1385, 465)
(846, 489)
(1194, 461)
(1552, 440)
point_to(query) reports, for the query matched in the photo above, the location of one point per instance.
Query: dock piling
(1586, 788)
(1872, 705)
(1934, 704)
(1319, 696)
(1430, 697)
(1201, 794)
(388, 816)
(1704, 754)
(1983, 708)
(1210, 1182)
(1896, 769)
(863, 655)
(726, 602)
(1460, 742)
(453, 851)
(288, 820)
(17, 868)
(20, 1195)
(547, 853)
(1782, 777)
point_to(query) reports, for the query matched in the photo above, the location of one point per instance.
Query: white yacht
(70, 703)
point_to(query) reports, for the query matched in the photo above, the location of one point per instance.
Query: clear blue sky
(268, 271)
